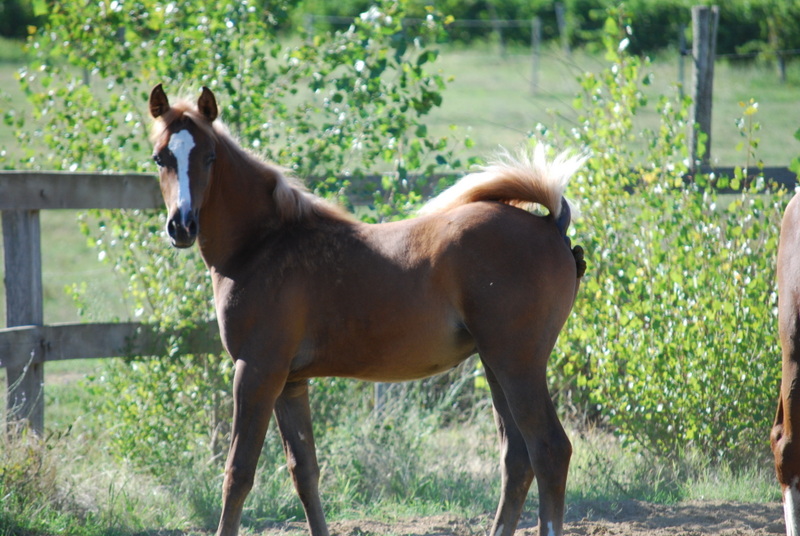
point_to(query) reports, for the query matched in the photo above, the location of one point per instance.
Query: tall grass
(410, 460)
(66, 484)
(602, 469)
(401, 464)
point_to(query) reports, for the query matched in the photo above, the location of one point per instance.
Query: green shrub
(343, 104)
(672, 340)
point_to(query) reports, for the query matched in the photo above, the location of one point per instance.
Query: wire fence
(496, 26)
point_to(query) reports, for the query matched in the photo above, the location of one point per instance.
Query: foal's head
(185, 152)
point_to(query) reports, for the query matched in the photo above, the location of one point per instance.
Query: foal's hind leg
(294, 421)
(522, 380)
(515, 469)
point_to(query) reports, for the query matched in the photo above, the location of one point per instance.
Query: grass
(404, 466)
(68, 260)
(12, 58)
(86, 491)
(491, 97)
(602, 469)
(68, 485)
(11, 51)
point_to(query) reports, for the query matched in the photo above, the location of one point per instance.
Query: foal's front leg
(254, 393)
(294, 421)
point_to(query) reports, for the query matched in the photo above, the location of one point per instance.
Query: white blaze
(181, 144)
(791, 509)
(550, 531)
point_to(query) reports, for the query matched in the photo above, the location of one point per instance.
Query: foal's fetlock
(580, 264)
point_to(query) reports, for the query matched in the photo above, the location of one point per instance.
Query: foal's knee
(303, 471)
(551, 458)
(238, 480)
(517, 461)
(305, 475)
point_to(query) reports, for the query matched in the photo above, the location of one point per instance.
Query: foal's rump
(491, 269)
(425, 293)
(514, 269)
(527, 252)
(420, 290)
(517, 277)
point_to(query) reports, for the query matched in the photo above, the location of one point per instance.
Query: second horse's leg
(294, 421)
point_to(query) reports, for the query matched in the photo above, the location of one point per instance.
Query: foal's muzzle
(182, 228)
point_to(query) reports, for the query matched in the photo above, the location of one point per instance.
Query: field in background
(490, 98)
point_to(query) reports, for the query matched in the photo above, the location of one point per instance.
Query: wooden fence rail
(26, 344)
(23, 345)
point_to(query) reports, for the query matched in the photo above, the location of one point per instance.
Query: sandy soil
(627, 518)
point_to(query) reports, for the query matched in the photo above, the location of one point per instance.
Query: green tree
(672, 341)
(342, 104)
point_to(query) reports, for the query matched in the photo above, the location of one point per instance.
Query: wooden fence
(26, 344)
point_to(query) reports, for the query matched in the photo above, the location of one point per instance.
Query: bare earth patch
(625, 518)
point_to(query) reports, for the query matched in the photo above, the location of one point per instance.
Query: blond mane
(292, 199)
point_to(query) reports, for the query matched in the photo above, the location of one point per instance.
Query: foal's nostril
(172, 228)
(191, 226)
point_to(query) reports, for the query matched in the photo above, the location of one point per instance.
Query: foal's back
(418, 291)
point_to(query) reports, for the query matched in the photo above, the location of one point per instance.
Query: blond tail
(523, 181)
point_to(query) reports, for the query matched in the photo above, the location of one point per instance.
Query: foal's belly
(397, 354)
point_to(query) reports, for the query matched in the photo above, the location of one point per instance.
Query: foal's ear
(159, 104)
(207, 105)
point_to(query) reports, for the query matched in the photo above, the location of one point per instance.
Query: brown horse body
(785, 446)
(302, 290)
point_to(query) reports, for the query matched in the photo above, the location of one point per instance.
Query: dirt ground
(626, 518)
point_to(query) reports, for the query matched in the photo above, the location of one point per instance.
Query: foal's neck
(238, 208)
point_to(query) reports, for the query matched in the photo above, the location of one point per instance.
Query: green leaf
(40, 8)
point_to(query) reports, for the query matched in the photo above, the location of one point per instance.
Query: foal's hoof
(580, 264)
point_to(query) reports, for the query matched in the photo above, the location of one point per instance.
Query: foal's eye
(210, 159)
(157, 160)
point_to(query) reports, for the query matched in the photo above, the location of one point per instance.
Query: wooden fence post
(561, 19)
(536, 45)
(379, 397)
(24, 306)
(704, 46)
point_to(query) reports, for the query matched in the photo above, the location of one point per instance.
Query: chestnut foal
(303, 290)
